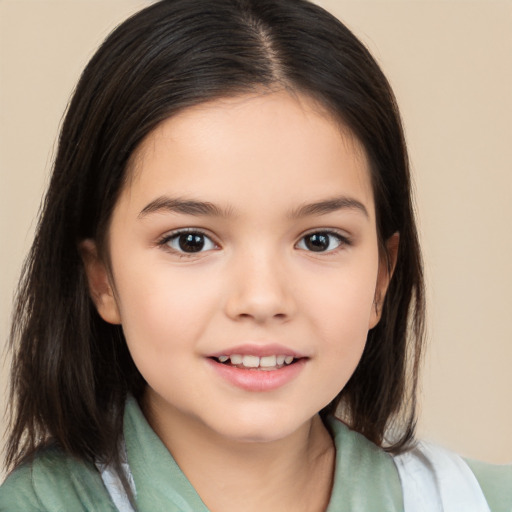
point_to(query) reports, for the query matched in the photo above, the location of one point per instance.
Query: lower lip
(258, 380)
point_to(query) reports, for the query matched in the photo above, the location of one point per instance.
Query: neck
(293, 473)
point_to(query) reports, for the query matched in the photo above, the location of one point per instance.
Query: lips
(258, 367)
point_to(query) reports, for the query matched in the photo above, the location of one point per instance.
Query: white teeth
(236, 359)
(268, 361)
(250, 361)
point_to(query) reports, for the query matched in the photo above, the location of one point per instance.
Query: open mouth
(250, 362)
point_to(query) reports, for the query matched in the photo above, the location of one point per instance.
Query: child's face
(247, 227)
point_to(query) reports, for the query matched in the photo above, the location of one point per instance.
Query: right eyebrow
(330, 205)
(185, 206)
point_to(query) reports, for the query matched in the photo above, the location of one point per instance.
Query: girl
(227, 258)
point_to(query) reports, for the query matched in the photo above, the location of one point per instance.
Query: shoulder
(439, 479)
(54, 482)
(359, 461)
(496, 483)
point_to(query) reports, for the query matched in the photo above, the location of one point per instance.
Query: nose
(261, 289)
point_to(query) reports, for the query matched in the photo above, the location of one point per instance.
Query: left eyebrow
(329, 206)
(184, 206)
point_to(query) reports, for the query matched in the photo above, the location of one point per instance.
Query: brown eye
(190, 242)
(321, 241)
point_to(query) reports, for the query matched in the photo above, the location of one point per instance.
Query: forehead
(249, 144)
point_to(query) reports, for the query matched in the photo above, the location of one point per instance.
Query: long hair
(71, 371)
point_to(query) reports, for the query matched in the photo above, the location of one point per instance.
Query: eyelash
(342, 241)
(175, 236)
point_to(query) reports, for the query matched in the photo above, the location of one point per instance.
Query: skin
(259, 159)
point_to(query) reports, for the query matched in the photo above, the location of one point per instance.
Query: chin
(260, 430)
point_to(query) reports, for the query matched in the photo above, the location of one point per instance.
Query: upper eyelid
(163, 242)
(344, 239)
(330, 231)
(342, 234)
(176, 232)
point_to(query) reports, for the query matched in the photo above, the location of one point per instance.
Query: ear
(387, 263)
(100, 287)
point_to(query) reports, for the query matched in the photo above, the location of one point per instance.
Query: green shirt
(365, 478)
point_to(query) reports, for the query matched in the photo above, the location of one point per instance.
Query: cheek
(342, 302)
(162, 309)
(341, 315)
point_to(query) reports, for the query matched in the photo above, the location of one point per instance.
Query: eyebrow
(329, 206)
(185, 206)
(205, 208)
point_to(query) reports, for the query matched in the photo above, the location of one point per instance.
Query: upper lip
(260, 350)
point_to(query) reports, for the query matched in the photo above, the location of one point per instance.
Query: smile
(265, 363)
(254, 373)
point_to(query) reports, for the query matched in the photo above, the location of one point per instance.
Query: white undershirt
(436, 480)
(433, 480)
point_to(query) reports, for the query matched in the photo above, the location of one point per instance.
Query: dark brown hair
(71, 371)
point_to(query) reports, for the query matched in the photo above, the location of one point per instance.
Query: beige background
(451, 66)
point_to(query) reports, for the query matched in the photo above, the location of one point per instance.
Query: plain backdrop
(451, 68)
